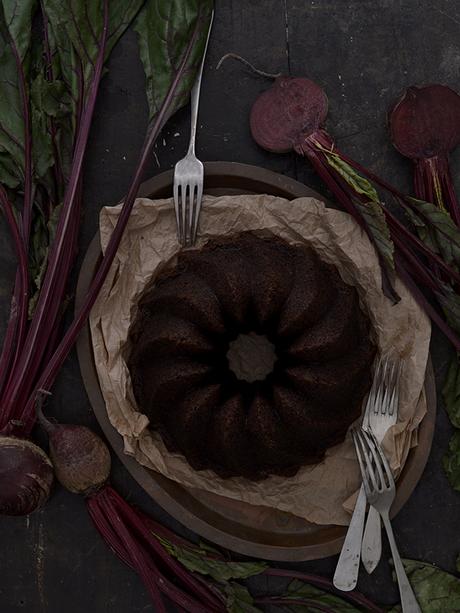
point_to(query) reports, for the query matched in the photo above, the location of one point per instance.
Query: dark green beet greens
(76, 44)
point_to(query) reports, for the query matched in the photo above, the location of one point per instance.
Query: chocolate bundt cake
(191, 369)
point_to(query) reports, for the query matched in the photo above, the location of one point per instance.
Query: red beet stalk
(24, 395)
(81, 462)
(82, 465)
(20, 296)
(289, 116)
(353, 597)
(410, 252)
(51, 294)
(188, 586)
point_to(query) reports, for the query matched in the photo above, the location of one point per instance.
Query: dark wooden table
(364, 53)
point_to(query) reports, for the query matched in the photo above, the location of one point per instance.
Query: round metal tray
(256, 531)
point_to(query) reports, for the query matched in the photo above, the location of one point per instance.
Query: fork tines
(384, 393)
(375, 470)
(187, 205)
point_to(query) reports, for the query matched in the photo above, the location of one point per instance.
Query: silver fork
(189, 172)
(378, 421)
(380, 491)
(347, 569)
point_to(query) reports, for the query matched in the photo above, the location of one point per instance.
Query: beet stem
(133, 550)
(47, 426)
(47, 306)
(312, 605)
(353, 596)
(20, 296)
(108, 510)
(49, 372)
(428, 307)
(188, 579)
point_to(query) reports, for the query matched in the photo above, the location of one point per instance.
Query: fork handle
(371, 550)
(409, 603)
(195, 95)
(347, 569)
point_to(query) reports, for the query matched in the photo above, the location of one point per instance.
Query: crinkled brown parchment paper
(320, 493)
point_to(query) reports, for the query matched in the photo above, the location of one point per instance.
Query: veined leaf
(435, 228)
(375, 221)
(174, 94)
(50, 97)
(359, 183)
(17, 21)
(9, 175)
(121, 14)
(436, 591)
(42, 153)
(450, 302)
(15, 33)
(170, 31)
(451, 391)
(298, 590)
(371, 212)
(239, 600)
(451, 461)
(199, 561)
(77, 28)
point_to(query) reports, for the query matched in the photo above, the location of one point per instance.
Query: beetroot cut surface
(280, 119)
(425, 127)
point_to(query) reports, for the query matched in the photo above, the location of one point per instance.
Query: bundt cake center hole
(251, 357)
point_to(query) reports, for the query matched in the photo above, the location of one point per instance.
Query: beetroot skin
(280, 120)
(26, 476)
(80, 458)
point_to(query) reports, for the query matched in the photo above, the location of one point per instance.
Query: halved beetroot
(282, 116)
(426, 121)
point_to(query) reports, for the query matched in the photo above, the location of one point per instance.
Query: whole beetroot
(80, 458)
(26, 476)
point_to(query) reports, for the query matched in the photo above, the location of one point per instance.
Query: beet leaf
(16, 160)
(298, 590)
(436, 229)
(42, 152)
(239, 599)
(164, 29)
(451, 393)
(198, 560)
(184, 35)
(436, 590)
(15, 32)
(451, 460)
(370, 209)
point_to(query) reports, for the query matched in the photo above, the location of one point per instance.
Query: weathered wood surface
(364, 52)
